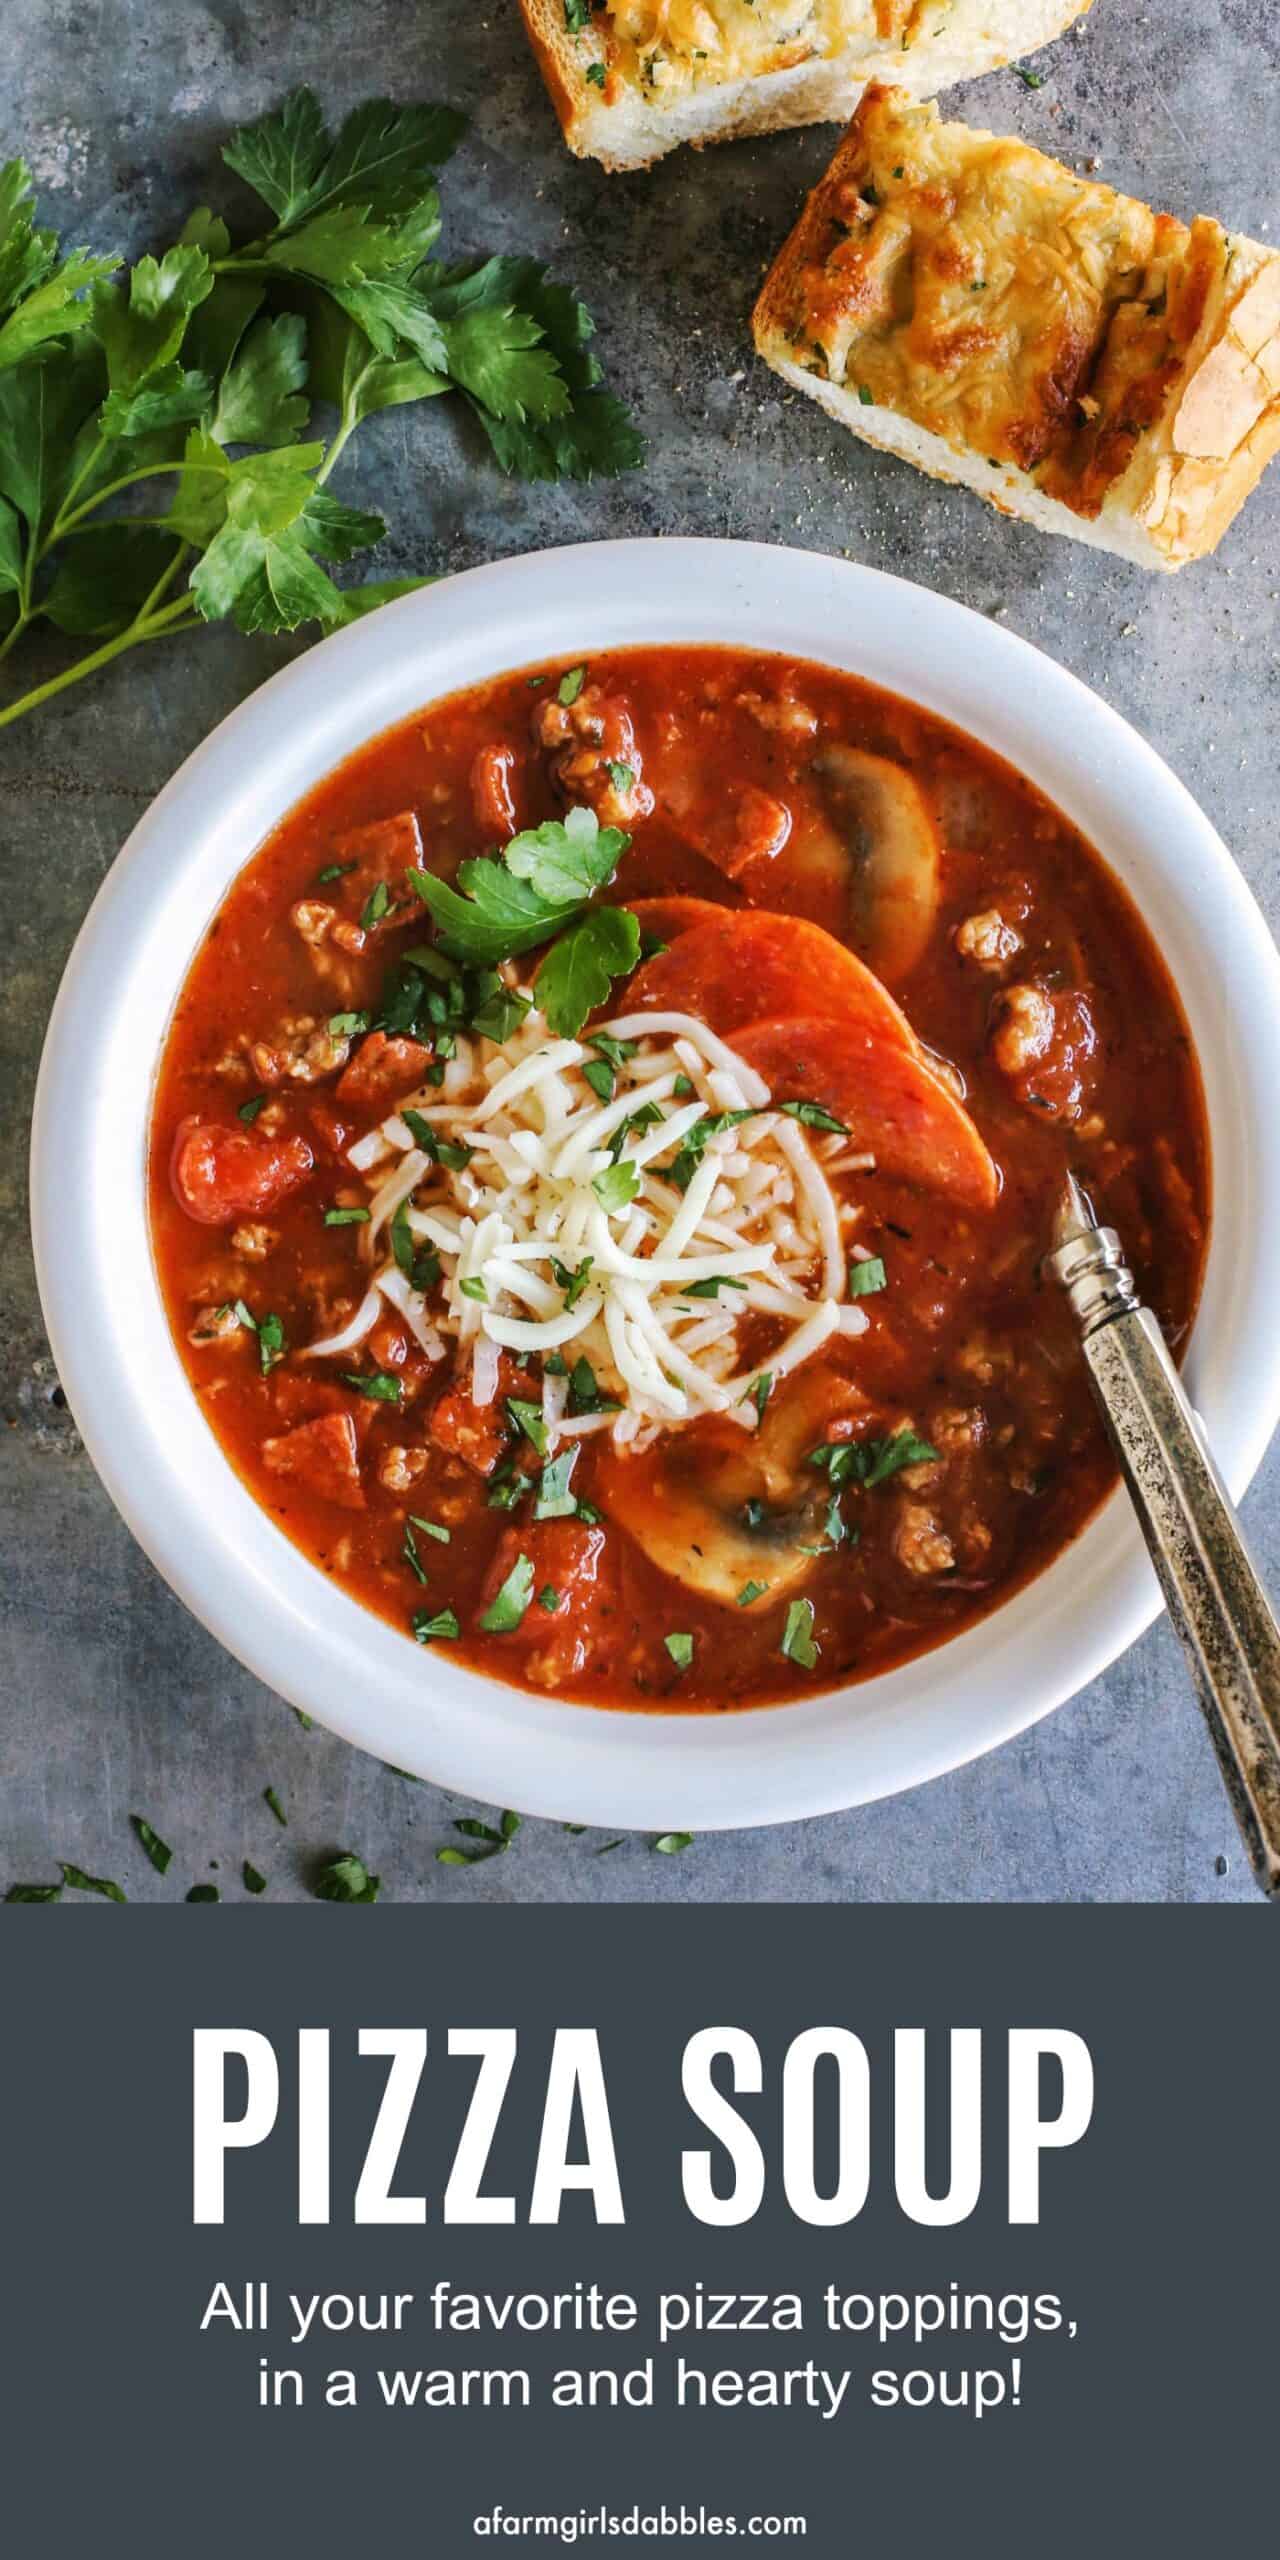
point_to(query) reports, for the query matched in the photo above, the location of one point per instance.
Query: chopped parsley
(409, 1550)
(680, 1648)
(596, 76)
(375, 905)
(333, 871)
(346, 1217)
(616, 1187)
(549, 1598)
(711, 1288)
(158, 1850)
(598, 1073)
(508, 1605)
(871, 1462)
(693, 1146)
(77, 1881)
(346, 1879)
(421, 1270)
(248, 1111)
(454, 1158)
(620, 775)
(37, 1893)
(616, 1051)
(528, 1419)
(572, 1280)
(584, 1390)
(204, 1893)
(555, 1500)
(254, 1881)
(570, 685)
(669, 1843)
(751, 1591)
(865, 1278)
(682, 1088)
(797, 1641)
(272, 1801)
(346, 1026)
(270, 1333)
(428, 1625)
(474, 1288)
(1029, 79)
(759, 1392)
(430, 1528)
(377, 1385)
(814, 1116)
(507, 1487)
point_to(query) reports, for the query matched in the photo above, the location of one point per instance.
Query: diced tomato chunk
(220, 1174)
(492, 796)
(571, 1560)
(323, 1456)
(333, 1132)
(381, 1071)
(480, 1434)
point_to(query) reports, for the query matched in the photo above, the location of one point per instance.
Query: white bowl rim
(124, 1382)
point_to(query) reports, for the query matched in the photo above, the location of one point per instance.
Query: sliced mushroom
(718, 1510)
(891, 845)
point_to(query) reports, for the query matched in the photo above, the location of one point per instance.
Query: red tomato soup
(623, 1265)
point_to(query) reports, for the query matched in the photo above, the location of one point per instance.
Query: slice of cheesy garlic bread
(631, 78)
(957, 298)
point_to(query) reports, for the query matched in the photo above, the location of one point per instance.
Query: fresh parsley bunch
(155, 469)
(538, 891)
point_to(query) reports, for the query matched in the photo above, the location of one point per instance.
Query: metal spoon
(1220, 1612)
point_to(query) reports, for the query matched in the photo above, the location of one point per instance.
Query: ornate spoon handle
(1215, 1598)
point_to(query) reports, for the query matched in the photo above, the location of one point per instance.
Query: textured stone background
(113, 1700)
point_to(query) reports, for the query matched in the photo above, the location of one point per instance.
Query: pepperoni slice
(665, 919)
(888, 1098)
(753, 966)
(219, 1174)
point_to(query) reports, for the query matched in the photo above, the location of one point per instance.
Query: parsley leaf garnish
(865, 1278)
(871, 1462)
(680, 1648)
(797, 1640)
(508, 1605)
(616, 1187)
(346, 1879)
(429, 1625)
(158, 1850)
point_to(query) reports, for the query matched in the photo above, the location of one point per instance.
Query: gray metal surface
(112, 1700)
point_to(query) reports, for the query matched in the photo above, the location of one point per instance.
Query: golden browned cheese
(672, 44)
(998, 300)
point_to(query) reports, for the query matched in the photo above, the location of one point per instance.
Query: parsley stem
(179, 614)
(65, 521)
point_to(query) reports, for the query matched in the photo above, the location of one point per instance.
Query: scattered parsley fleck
(507, 1608)
(598, 1073)
(474, 1288)
(204, 1893)
(572, 1281)
(77, 1881)
(680, 1648)
(797, 1641)
(616, 1187)
(158, 1850)
(555, 1500)
(712, 1288)
(814, 1116)
(751, 1591)
(427, 1626)
(430, 1528)
(333, 871)
(570, 685)
(528, 1419)
(620, 775)
(346, 1026)
(378, 1385)
(548, 1598)
(248, 1111)
(375, 905)
(669, 1843)
(759, 1392)
(346, 1217)
(596, 76)
(865, 1278)
(34, 1893)
(409, 1550)
(346, 1879)
(1029, 79)
(254, 1882)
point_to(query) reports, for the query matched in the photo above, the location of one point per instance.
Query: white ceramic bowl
(111, 1342)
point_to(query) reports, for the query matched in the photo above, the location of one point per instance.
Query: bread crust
(625, 127)
(1116, 377)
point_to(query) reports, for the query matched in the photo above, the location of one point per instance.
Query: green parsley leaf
(693, 1146)
(453, 1156)
(797, 1641)
(346, 1879)
(616, 1187)
(596, 74)
(346, 1217)
(203, 1893)
(680, 1648)
(598, 1073)
(584, 1391)
(78, 1882)
(528, 1419)
(270, 1333)
(248, 1111)
(618, 1052)
(377, 1385)
(570, 686)
(574, 1281)
(334, 871)
(751, 1591)
(375, 905)
(865, 1278)
(507, 1608)
(1029, 79)
(504, 906)
(555, 1501)
(158, 1850)
(549, 1598)
(254, 1882)
(579, 970)
(669, 1843)
(431, 1625)
(409, 1551)
(507, 1488)
(759, 1392)
(871, 1462)
(474, 1287)
(34, 1893)
(592, 436)
(431, 1529)
(813, 1116)
(272, 1801)
(711, 1288)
